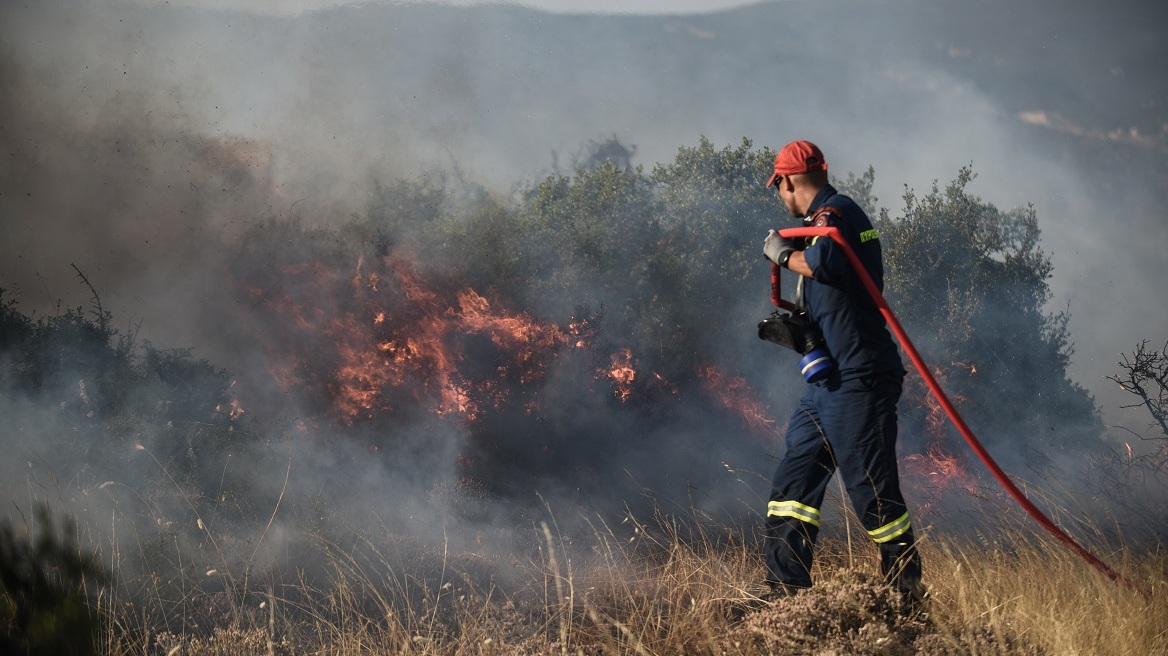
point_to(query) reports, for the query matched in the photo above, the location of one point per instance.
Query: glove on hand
(778, 249)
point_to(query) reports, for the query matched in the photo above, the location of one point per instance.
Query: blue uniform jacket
(853, 328)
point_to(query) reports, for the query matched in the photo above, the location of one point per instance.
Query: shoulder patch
(822, 217)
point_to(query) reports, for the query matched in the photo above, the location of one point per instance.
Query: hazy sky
(292, 7)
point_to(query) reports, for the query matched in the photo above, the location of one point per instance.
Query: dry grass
(646, 589)
(1044, 596)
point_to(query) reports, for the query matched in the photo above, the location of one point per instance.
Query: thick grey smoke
(138, 143)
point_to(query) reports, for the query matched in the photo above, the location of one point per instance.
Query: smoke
(142, 145)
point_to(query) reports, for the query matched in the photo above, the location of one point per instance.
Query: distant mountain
(502, 86)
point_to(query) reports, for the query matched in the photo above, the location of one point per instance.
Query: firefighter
(848, 420)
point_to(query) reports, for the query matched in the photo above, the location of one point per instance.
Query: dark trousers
(849, 425)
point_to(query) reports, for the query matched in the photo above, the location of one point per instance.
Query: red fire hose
(874, 292)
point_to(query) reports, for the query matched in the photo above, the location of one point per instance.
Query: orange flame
(936, 472)
(622, 374)
(734, 394)
(396, 340)
(939, 468)
(518, 334)
(234, 410)
(382, 338)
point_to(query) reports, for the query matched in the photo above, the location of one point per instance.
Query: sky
(294, 7)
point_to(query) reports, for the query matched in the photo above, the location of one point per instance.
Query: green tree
(970, 282)
(585, 237)
(666, 254)
(707, 257)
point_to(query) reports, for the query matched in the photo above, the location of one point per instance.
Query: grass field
(665, 586)
(288, 571)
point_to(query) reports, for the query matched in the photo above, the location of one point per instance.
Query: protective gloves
(778, 249)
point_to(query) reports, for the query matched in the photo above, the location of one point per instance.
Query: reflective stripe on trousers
(891, 530)
(794, 509)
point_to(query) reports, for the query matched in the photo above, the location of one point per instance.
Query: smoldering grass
(668, 582)
(637, 601)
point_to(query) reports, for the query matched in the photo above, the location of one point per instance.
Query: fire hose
(942, 398)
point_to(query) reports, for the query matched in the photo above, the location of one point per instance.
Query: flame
(518, 334)
(937, 472)
(411, 352)
(234, 410)
(622, 374)
(939, 468)
(396, 340)
(379, 339)
(936, 418)
(968, 366)
(734, 394)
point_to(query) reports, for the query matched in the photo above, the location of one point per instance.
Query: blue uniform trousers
(849, 425)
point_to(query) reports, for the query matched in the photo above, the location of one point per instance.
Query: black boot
(901, 565)
(779, 591)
